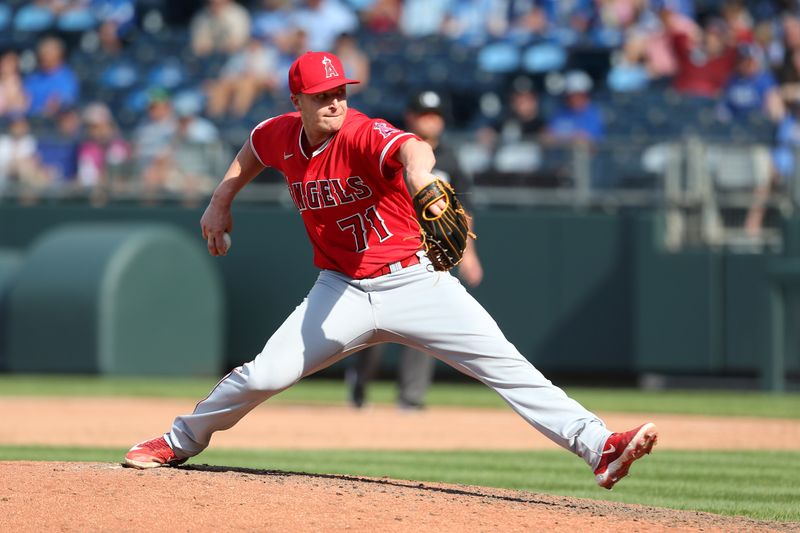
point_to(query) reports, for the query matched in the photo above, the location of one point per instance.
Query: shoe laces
(157, 445)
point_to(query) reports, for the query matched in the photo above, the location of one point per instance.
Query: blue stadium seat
(120, 75)
(33, 18)
(169, 74)
(78, 20)
(544, 57)
(500, 57)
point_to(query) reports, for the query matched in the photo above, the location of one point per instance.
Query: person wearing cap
(103, 151)
(425, 117)
(352, 179)
(198, 153)
(579, 119)
(152, 137)
(752, 88)
(521, 121)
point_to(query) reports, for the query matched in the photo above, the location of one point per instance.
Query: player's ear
(295, 102)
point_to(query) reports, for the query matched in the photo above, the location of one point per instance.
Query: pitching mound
(106, 497)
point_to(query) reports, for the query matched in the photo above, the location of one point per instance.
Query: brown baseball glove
(445, 235)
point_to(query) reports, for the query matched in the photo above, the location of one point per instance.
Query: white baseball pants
(427, 310)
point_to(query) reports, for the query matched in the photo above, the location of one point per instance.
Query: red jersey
(350, 191)
(701, 75)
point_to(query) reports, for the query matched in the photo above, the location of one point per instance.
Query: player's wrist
(418, 180)
(223, 196)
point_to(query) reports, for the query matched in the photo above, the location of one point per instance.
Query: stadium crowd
(152, 96)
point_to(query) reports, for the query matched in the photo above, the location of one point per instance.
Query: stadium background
(652, 240)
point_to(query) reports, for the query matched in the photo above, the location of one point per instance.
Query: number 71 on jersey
(360, 223)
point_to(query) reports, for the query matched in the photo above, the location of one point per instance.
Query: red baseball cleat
(151, 454)
(621, 450)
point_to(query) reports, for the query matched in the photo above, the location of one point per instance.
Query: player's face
(322, 113)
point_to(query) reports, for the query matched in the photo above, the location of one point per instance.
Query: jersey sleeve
(378, 142)
(262, 138)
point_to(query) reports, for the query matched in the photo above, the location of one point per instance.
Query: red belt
(394, 267)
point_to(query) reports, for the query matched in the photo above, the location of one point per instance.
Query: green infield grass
(318, 391)
(761, 485)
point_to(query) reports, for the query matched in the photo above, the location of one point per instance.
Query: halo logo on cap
(330, 71)
(305, 76)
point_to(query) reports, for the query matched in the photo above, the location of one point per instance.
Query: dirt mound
(106, 497)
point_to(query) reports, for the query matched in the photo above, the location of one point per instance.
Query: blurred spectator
(293, 45)
(18, 163)
(788, 141)
(13, 99)
(355, 61)
(245, 75)
(784, 163)
(788, 72)
(527, 19)
(191, 159)
(383, 16)
(628, 71)
(423, 17)
(103, 52)
(53, 85)
(738, 20)
(272, 19)
(152, 138)
(522, 120)
(573, 19)
(199, 158)
(121, 13)
(110, 45)
(766, 38)
(103, 153)
(473, 22)
(705, 63)
(579, 119)
(752, 88)
(653, 39)
(323, 21)
(223, 26)
(58, 150)
(678, 7)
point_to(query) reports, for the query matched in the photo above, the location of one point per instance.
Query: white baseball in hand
(227, 238)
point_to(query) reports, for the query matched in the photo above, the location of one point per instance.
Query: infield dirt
(85, 497)
(121, 422)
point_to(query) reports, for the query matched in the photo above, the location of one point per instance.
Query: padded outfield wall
(579, 293)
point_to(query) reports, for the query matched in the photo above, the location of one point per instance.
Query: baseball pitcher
(385, 232)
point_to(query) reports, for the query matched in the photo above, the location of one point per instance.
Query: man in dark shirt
(425, 118)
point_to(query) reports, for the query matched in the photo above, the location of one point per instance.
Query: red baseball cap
(316, 72)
